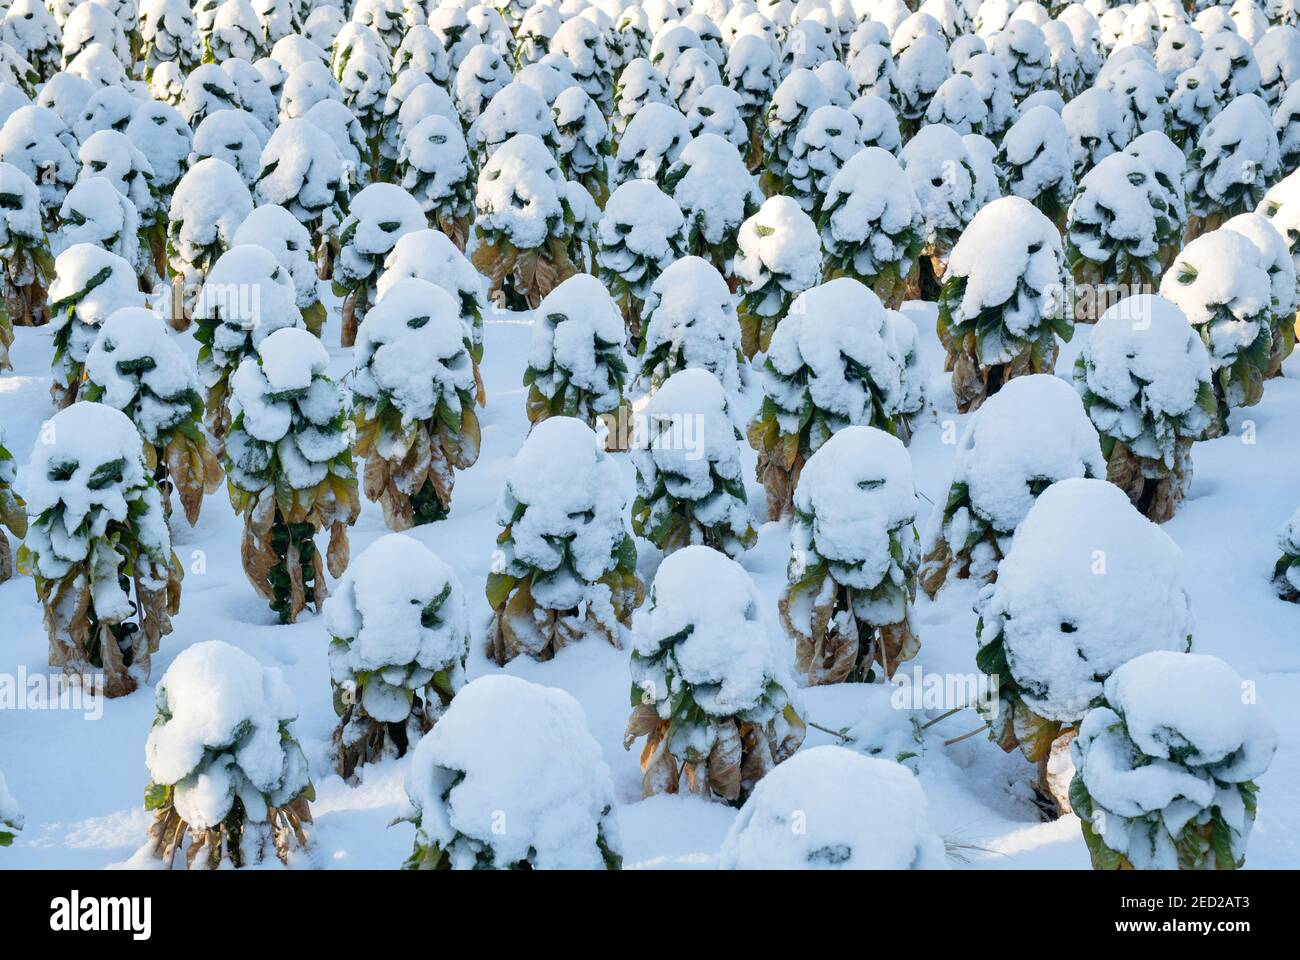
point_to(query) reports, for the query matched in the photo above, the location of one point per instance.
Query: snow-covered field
(80, 781)
(765, 229)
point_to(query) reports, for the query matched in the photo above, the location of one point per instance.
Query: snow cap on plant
(690, 487)
(854, 555)
(135, 367)
(863, 813)
(1096, 128)
(779, 256)
(1235, 160)
(710, 695)
(1003, 302)
(1089, 584)
(1167, 763)
(547, 779)
(223, 762)
(399, 637)
(98, 547)
(1221, 283)
(1144, 375)
(566, 564)
(1024, 438)
(831, 364)
(576, 363)
(871, 222)
(690, 322)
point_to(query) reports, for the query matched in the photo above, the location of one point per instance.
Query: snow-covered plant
(399, 637)
(994, 87)
(1221, 284)
(414, 381)
(708, 692)
(207, 88)
(167, 34)
(651, 144)
(922, 68)
(36, 141)
(958, 104)
(690, 486)
(1236, 159)
(1034, 162)
(1139, 92)
(32, 33)
(1119, 225)
(135, 367)
(1089, 584)
(235, 33)
(430, 255)
(639, 84)
(778, 257)
(246, 297)
(94, 212)
(829, 366)
(576, 364)
(12, 512)
(288, 460)
(307, 85)
(1096, 129)
(718, 110)
(690, 321)
(716, 194)
(877, 123)
(515, 108)
(534, 32)
(89, 284)
(753, 71)
(1278, 56)
(434, 167)
(638, 236)
(1167, 763)
(364, 82)
(1003, 302)
(870, 63)
(829, 139)
(943, 181)
(228, 783)
(565, 564)
(793, 102)
(853, 559)
(524, 223)
(25, 252)
(421, 50)
(1286, 572)
(1144, 375)
(275, 229)
(208, 205)
(1026, 437)
(98, 548)
(583, 45)
(235, 136)
(1284, 292)
(582, 141)
(112, 155)
(304, 172)
(548, 778)
(871, 223)
(863, 813)
(377, 218)
(163, 137)
(479, 78)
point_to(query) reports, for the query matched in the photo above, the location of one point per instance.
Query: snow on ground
(80, 781)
